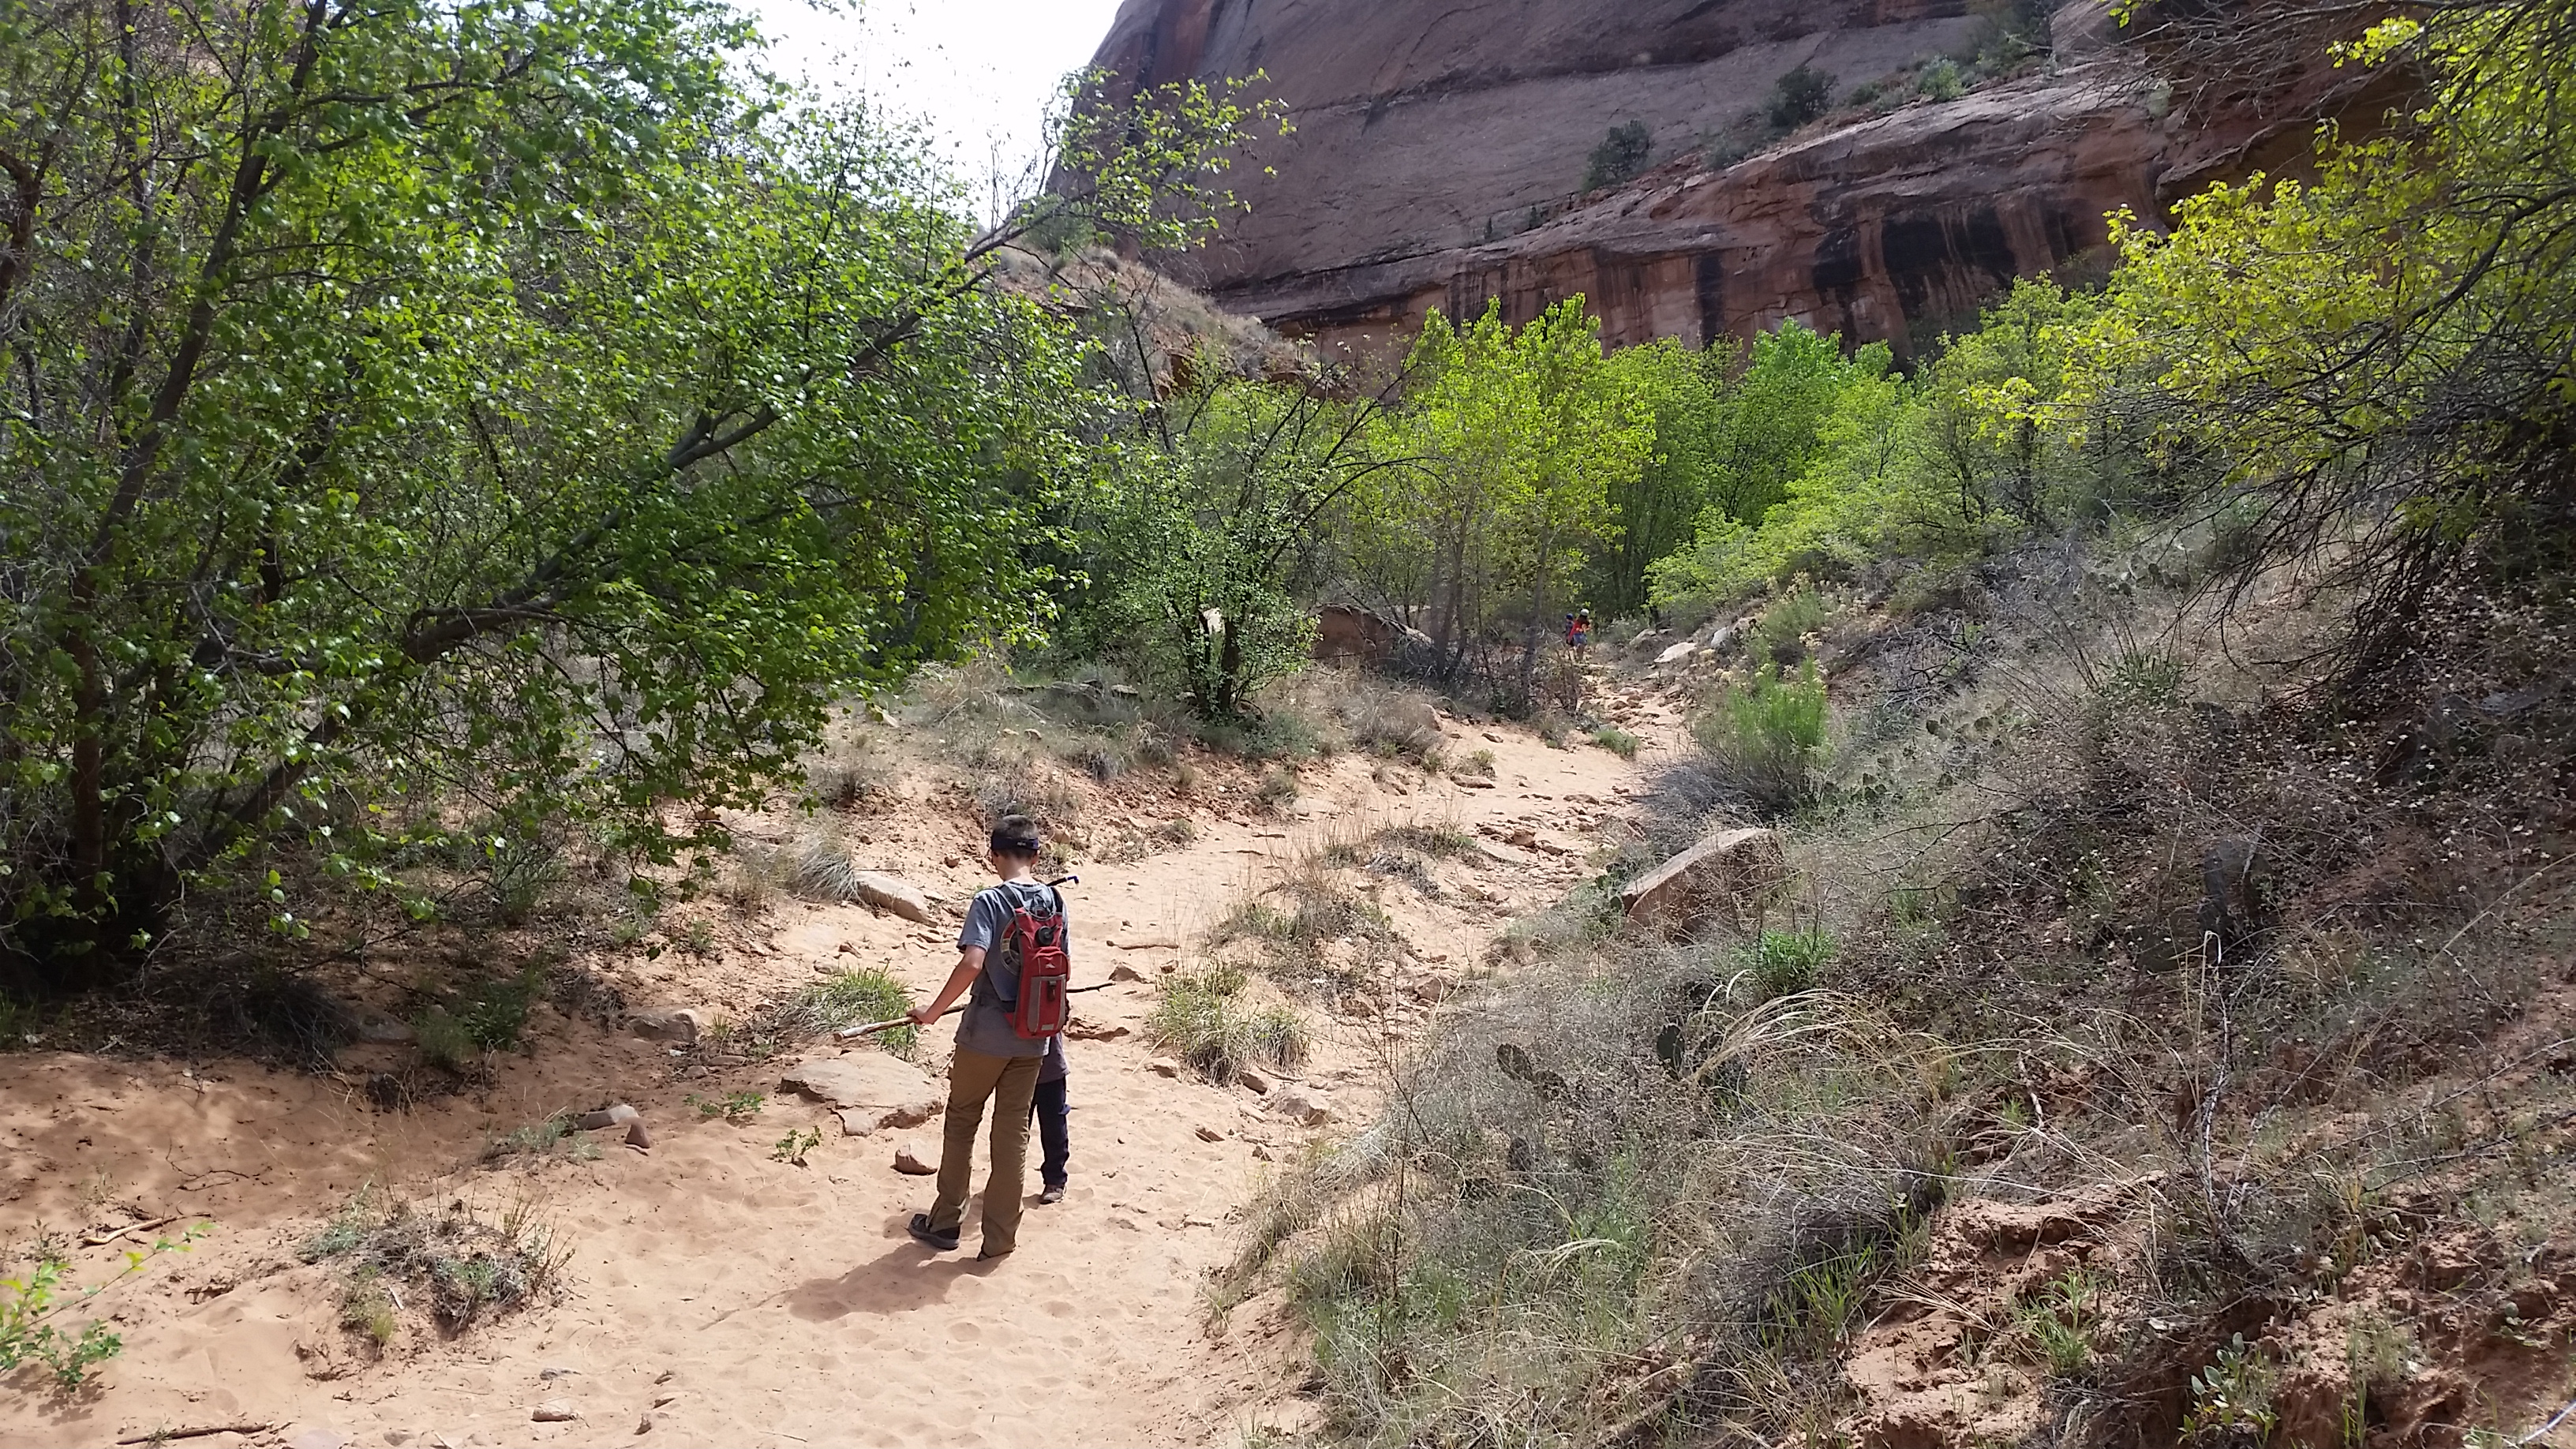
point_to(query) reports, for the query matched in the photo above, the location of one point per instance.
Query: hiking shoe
(1054, 1193)
(923, 1232)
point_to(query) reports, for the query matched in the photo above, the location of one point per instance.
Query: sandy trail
(715, 1295)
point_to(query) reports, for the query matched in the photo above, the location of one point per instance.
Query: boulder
(1677, 653)
(869, 1089)
(892, 894)
(1302, 1105)
(678, 1025)
(1713, 878)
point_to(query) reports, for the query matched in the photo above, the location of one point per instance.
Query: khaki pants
(1010, 1082)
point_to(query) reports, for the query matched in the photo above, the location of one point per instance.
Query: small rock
(1210, 1134)
(909, 1163)
(678, 1025)
(616, 1116)
(644, 1422)
(636, 1136)
(1303, 1105)
(892, 894)
(857, 1121)
(1677, 653)
(555, 1371)
(318, 1439)
(1124, 972)
(1164, 1067)
(1145, 943)
(383, 1030)
(1087, 1031)
(1198, 1222)
(1260, 1153)
(554, 1411)
(1474, 782)
(1168, 967)
(1253, 1080)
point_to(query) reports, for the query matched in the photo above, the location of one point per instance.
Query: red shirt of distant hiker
(994, 1064)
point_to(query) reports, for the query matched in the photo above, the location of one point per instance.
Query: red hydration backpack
(1037, 941)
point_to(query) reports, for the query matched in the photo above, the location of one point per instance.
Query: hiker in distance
(1013, 931)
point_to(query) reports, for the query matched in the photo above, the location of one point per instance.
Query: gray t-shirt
(986, 1026)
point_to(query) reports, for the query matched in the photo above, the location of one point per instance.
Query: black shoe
(922, 1231)
(1054, 1193)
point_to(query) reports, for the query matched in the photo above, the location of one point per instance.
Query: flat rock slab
(1711, 878)
(869, 1090)
(893, 895)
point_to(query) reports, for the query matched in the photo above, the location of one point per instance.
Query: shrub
(1759, 743)
(1800, 96)
(1782, 631)
(848, 999)
(1617, 741)
(1621, 156)
(1942, 80)
(1204, 1018)
(494, 1012)
(443, 1040)
(470, 1264)
(31, 1302)
(1784, 963)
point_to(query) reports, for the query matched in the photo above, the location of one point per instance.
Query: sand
(713, 1295)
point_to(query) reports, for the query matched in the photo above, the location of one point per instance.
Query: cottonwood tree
(416, 412)
(1522, 434)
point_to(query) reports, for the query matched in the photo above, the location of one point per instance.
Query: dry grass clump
(1314, 932)
(460, 1265)
(822, 869)
(1214, 1020)
(1611, 1192)
(850, 998)
(1324, 710)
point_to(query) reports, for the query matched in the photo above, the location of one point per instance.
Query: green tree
(1686, 393)
(1984, 432)
(1523, 435)
(1214, 527)
(417, 408)
(2379, 357)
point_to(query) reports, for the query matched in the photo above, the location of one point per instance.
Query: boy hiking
(998, 1059)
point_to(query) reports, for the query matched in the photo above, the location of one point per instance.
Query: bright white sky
(980, 72)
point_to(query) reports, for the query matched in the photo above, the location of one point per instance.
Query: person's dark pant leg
(1051, 1110)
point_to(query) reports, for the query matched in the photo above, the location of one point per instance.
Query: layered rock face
(1440, 147)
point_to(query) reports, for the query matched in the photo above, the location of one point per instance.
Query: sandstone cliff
(1440, 148)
